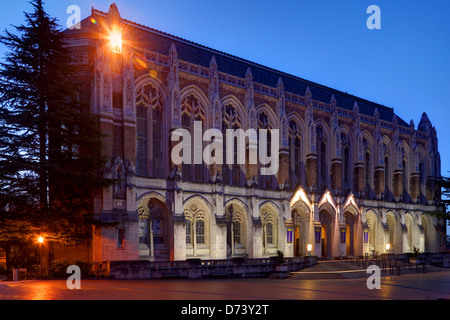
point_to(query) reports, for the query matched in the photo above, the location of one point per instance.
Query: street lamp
(388, 246)
(309, 246)
(40, 241)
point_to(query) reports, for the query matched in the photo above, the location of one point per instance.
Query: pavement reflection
(434, 285)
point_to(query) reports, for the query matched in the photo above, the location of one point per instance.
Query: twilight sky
(405, 65)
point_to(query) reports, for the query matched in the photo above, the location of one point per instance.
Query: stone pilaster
(336, 174)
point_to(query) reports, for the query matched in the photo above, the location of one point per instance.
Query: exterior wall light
(116, 40)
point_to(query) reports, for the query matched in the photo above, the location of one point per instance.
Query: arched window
(237, 232)
(405, 178)
(367, 168)
(231, 173)
(141, 143)
(346, 163)
(197, 231)
(386, 176)
(321, 158)
(421, 178)
(367, 171)
(189, 231)
(157, 142)
(193, 110)
(200, 231)
(294, 154)
(149, 132)
(269, 233)
(186, 168)
(265, 181)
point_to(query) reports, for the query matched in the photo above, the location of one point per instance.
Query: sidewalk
(335, 269)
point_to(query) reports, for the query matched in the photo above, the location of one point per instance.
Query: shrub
(58, 268)
(3, 268)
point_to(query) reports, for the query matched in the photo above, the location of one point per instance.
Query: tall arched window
(346, 163)
(149, 131)
(295, 155)
(265, 181)
(421, 178)
(197, 231)
(193, 110)
(141, 140)
(405, 179)
(200, 231)
(321, 145)
(157, 142)
(386, 176)
(231, 173)
(367, 172)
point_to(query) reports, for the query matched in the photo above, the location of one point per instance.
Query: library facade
(353, 177)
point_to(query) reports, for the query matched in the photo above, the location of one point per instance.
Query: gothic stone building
(353, 176)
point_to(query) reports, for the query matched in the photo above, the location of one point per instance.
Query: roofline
(251, 63)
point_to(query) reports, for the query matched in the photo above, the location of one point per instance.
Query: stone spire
(114, 14)
(424, 123)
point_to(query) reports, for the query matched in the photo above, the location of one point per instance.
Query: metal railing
(392, 264)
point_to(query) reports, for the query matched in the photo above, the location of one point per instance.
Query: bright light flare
(41, 239)
(116, 40)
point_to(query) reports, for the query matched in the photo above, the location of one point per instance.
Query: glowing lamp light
(309, 246)
(41, 239)
(116, 40)
(388, 246)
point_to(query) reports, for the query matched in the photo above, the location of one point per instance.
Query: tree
(50, 144)
(442, 210)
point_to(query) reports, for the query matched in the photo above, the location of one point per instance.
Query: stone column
(336, 174)
(379, 181)
(414, 186)
(398, 183)
(311, 170)
(358, 177)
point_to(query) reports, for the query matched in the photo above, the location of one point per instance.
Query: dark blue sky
(405, 65)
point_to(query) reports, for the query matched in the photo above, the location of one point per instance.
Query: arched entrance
(372, 221)
(301, 225)
(326, 222)
(429, 233)
(236, 231)
(391, 239)
(155, 234)
(350, 231)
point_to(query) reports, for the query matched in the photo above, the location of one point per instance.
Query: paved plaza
(325, 281)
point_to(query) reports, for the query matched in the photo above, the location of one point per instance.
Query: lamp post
(309, 246)
(388, 246)
(40, 241)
